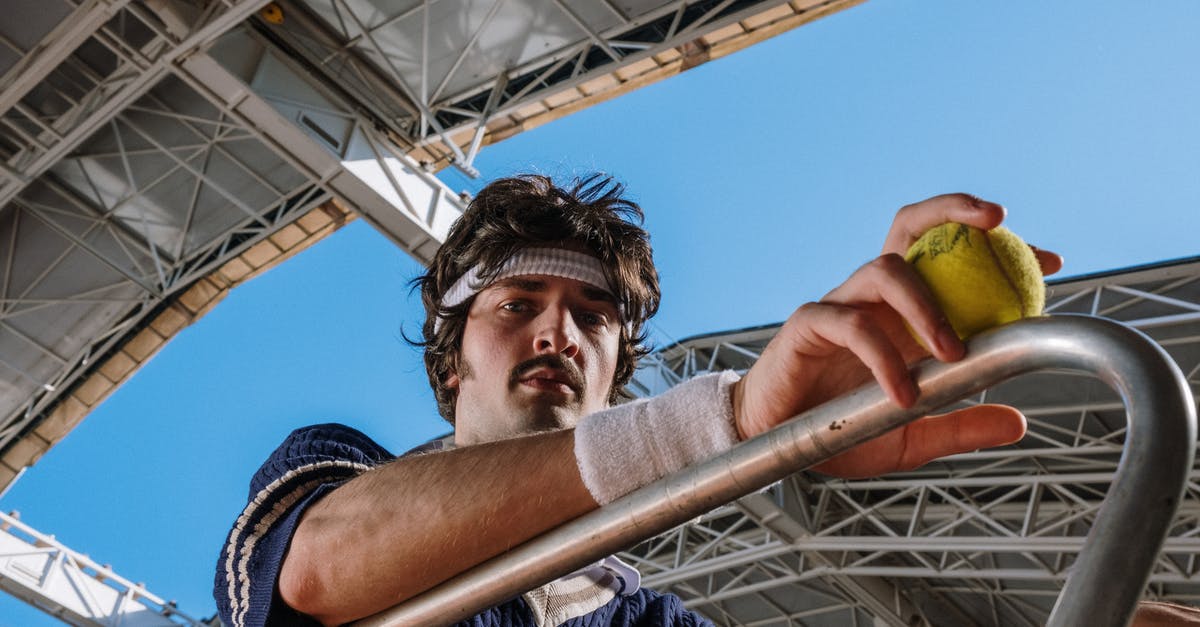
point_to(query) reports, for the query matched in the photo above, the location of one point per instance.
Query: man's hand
(857, 332)
(1160, 614)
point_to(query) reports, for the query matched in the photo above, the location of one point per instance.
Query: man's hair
(512, 214)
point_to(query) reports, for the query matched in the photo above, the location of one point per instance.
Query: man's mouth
(545, 379)
(549, 374)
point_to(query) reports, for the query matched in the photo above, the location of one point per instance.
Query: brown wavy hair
(511, 214)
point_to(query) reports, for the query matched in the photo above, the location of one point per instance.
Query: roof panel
(32, 368)
(45, 327)
(524, 47)
(34, 248)
(79, 224)
(489, 37)
(26, 23)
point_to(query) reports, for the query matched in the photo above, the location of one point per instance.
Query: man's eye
(515, 306)
(593, 319)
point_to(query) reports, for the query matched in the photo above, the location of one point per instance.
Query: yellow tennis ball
(981, 279)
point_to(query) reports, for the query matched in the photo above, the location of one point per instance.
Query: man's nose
(557, 333)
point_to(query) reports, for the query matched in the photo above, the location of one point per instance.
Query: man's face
(538, 353)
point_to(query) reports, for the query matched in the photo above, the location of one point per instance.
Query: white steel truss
(42, 571)
(109, 56)
(166, 191)
(197, 170)
(443, 92)
(327, 138)
(982, 538)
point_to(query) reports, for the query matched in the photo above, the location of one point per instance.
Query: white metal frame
(44, 572)
(145, 256)
(44, 140)
(430, 110)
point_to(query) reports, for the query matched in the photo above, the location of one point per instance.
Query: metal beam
(55, 47)
(883, 599)
(377, 186)
(95, 111)
(45, 573)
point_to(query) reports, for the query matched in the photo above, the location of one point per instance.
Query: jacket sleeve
(310, 463)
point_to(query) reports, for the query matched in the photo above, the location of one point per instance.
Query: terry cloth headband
(559, 262)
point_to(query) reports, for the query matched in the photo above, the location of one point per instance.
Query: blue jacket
(310, 463)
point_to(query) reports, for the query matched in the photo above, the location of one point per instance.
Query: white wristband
(623, 448)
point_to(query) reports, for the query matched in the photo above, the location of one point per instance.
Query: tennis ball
(980, 279)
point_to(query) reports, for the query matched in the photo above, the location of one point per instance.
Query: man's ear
(451, 381)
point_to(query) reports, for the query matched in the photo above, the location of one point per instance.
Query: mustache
(566, 368)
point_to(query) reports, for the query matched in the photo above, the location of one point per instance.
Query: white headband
(558, 262)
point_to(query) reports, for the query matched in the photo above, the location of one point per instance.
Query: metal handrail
(1106, 579)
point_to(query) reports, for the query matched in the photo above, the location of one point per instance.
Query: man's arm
(401, 528)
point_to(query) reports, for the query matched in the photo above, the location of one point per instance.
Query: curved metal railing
(1106, 579)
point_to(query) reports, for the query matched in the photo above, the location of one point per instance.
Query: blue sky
(767, 176)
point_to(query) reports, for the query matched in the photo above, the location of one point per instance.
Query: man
(535, 308)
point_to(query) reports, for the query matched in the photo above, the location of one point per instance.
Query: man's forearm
(402, 528)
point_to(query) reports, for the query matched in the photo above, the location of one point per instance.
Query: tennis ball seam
(1004, 271)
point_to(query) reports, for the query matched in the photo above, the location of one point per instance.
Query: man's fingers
(913, 220)
(927, 439)
(1050, 262)
(962, 431)
(1160, 614)
(891, 281)
(832, 325)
